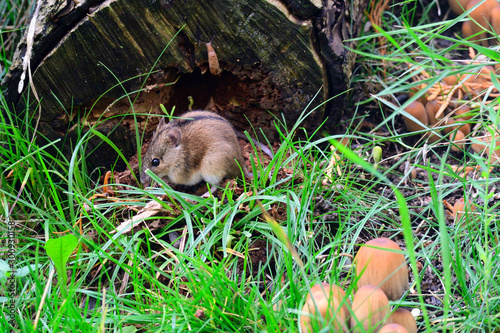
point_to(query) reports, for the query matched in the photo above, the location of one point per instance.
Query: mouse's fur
(199, 146)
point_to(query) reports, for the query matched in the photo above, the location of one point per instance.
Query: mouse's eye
(155, 162)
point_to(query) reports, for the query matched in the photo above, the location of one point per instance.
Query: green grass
(468, 269)
(14, 20)
(147, 280)
(213, 282)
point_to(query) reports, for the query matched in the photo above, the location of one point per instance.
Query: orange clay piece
(495, 19)
(404, 318)
(465, 128)
(417, 110)
(432, 108)
(458, 209)
(480, 18)
(464, 112)
(458, 139)
(458, 6)
(450, 91)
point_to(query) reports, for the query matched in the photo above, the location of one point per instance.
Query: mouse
(197, 146)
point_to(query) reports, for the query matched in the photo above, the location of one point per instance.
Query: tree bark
(93, 59)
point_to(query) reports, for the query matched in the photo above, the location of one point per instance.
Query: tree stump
(94, 59)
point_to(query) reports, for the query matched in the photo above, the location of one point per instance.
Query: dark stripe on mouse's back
(181, 122)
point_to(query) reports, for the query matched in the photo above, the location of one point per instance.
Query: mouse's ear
(162, 122)
(174, 135)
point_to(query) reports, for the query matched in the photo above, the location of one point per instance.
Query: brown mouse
(198, 146)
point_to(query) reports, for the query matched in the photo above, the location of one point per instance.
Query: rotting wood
(274, 56)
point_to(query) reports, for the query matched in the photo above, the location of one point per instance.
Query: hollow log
(113, 63)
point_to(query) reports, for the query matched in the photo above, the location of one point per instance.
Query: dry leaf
(151, 209)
